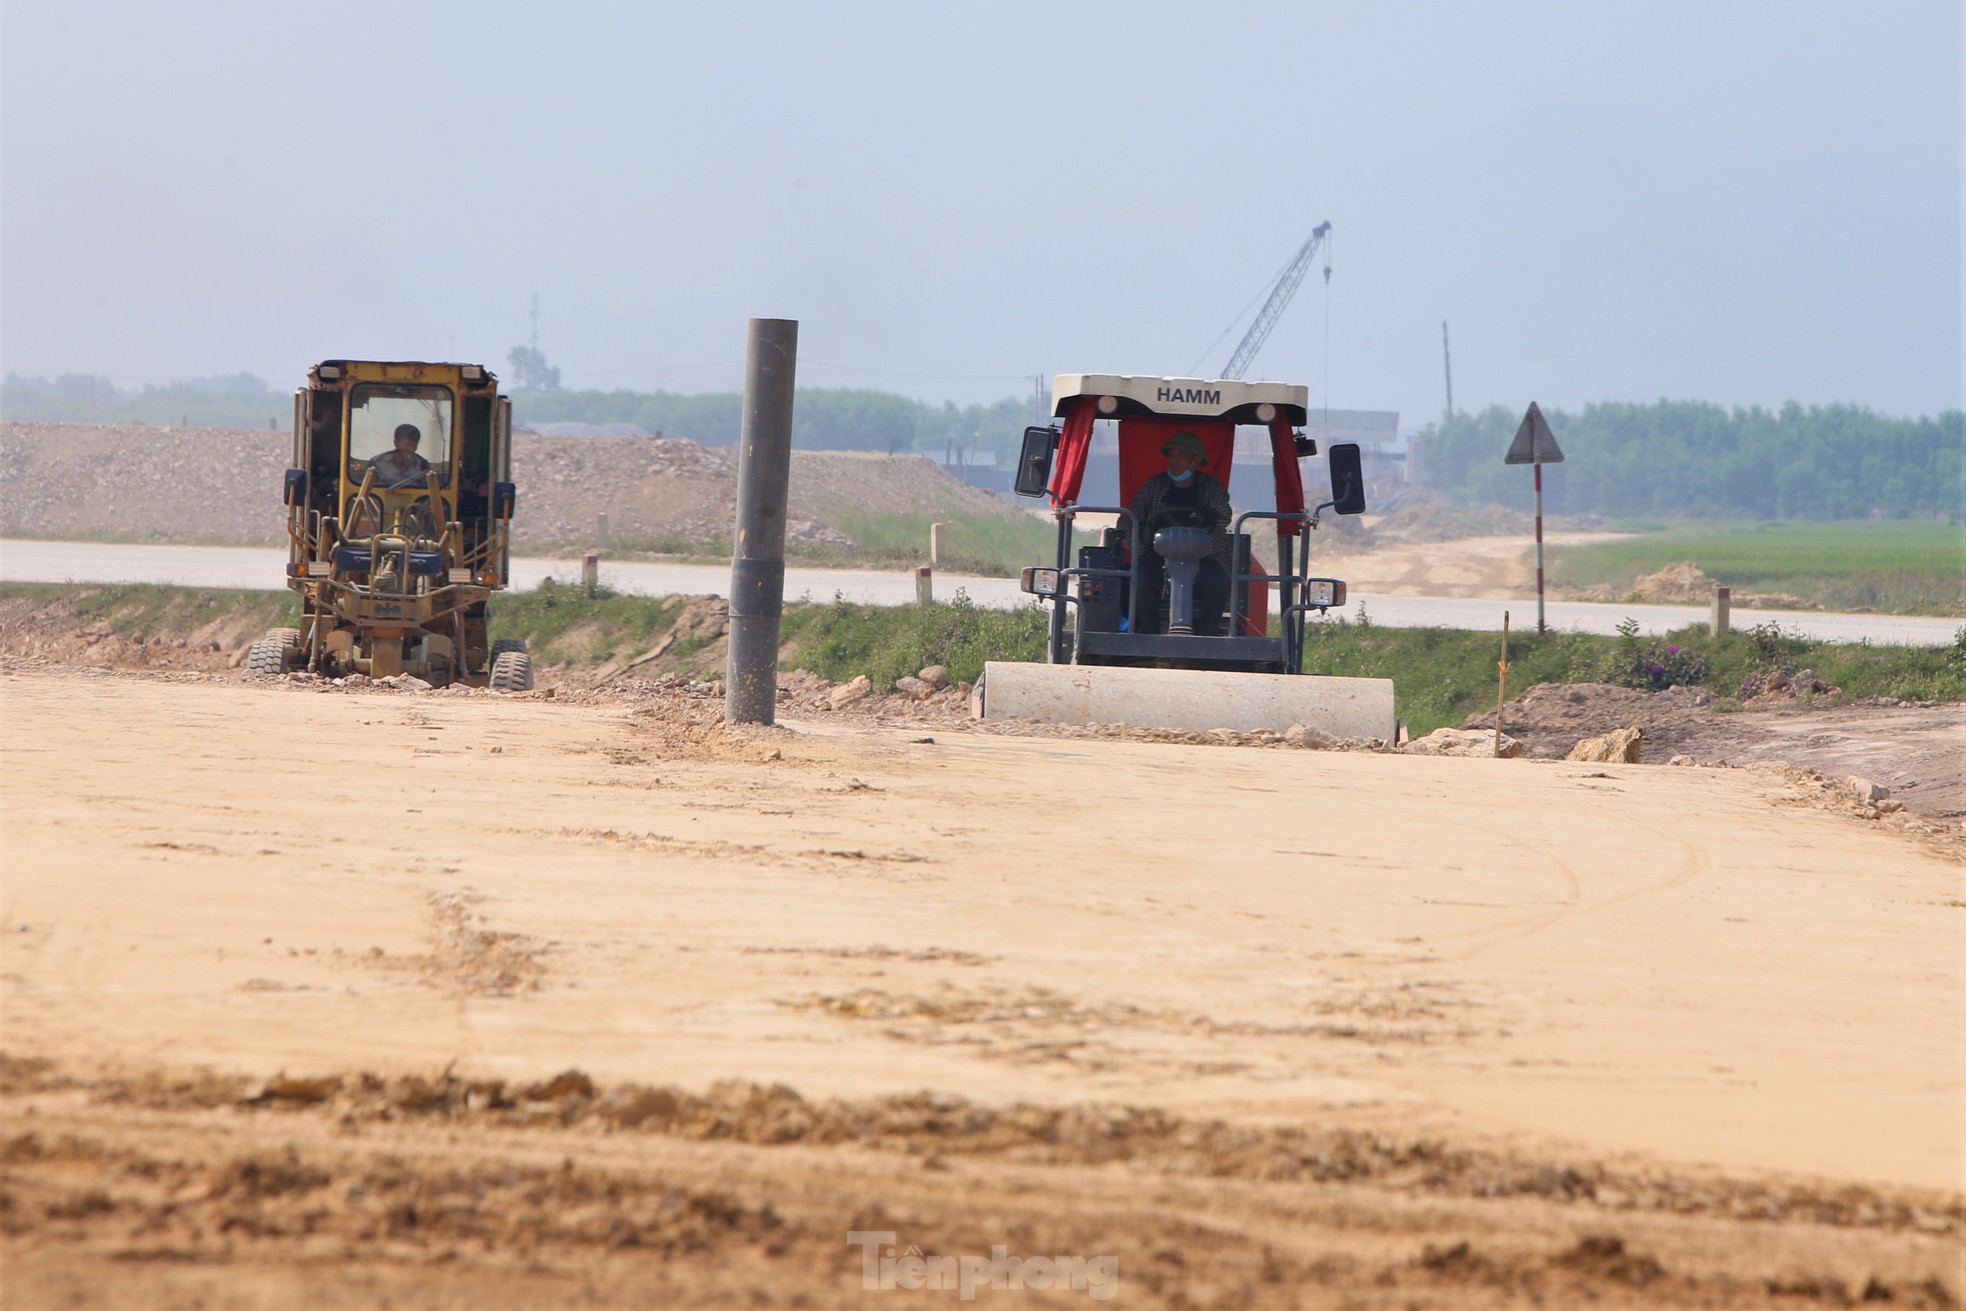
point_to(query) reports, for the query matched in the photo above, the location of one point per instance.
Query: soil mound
(129, 482)
(1420, 514)
(1684, 581)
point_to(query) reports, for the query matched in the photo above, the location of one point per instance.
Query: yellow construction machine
(399, 504)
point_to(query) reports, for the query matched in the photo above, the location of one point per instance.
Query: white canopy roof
(1201, 397)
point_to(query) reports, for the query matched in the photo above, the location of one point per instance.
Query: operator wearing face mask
(1181, 497)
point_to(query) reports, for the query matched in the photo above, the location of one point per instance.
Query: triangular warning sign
(1534, 442)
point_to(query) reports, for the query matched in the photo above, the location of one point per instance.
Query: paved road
(261, 568)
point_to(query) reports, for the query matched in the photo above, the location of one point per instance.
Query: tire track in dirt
(1515, 930)
(1696, 859)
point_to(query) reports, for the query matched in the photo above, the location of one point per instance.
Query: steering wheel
(1174, 516)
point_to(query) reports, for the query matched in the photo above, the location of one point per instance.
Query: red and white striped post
(1541, 628)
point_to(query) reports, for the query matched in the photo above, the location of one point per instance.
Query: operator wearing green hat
(1179, 497)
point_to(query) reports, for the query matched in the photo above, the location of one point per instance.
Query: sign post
(1536, 445)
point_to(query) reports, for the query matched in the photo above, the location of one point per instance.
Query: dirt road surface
(356, 998)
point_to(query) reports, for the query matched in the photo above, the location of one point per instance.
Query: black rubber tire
(266, 658)
(287, 637)
(504, 644)
(511, 671)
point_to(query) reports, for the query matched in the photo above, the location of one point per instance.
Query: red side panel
(1255, 618)
(1289, 475)
(1141, 439)
(1074, 443)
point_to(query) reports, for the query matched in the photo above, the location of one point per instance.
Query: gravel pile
(129, 482)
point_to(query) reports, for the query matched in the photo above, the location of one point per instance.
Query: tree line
(1692, 458)
(238, 400)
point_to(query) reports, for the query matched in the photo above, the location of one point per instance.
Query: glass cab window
(378, 412)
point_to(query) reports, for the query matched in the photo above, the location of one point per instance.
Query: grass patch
(562, 624)
(1443, 675)
(843, 640)
(1890, 566)
(161, 610)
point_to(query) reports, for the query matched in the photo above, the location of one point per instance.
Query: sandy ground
(289, 976)
(1500, 567)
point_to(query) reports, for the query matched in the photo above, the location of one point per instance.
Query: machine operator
(1180, 497)
(402, 467)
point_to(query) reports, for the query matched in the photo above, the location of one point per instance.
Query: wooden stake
(1502, 694)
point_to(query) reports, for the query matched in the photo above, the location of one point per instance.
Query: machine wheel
(287, 637)
(267, 658)
(504, 644)
(511, 671)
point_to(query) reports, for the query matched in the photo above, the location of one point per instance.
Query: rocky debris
(1867, 792)
(936, 676)
(913, 687)
(1463, 742)
(848, 693)
(1312, 739)
(137, 483)
(1619, 747)
(1550, 718)
(1777, 685)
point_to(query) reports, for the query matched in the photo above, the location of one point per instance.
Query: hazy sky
(1729, 200)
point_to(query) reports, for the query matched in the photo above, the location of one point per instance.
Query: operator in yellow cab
(402, 467)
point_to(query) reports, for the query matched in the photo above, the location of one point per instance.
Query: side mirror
(1034, 461)
(293, 488)
(1347, 479)
(504, 497)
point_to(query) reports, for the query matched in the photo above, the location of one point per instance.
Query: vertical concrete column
(1723, 602)
(590, 572)
(924, 585)
(757, 566)
(935, 542)
(602, 538)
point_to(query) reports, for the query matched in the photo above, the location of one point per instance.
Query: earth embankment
(129, 482)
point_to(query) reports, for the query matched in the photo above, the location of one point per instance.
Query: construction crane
(1280, 295)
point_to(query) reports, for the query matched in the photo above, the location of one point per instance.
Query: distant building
(978, 469)
(1375, 431)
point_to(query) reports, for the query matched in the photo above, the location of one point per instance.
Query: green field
(1891, 566)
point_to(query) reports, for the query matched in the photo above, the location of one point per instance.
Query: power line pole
(1447, 363)
(757, 566)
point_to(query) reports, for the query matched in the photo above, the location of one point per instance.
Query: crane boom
(1273, 308)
